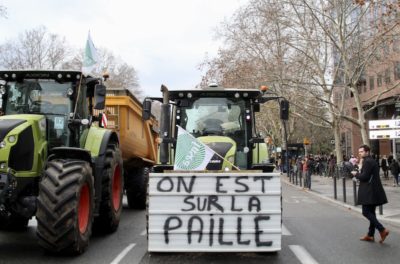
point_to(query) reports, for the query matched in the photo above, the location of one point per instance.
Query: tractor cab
(223, 119)
(63, 97)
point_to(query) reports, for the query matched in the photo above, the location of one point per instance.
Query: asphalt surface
(316, 229)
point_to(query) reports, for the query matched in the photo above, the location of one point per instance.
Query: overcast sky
(165, 40)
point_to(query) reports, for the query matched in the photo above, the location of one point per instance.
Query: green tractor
(55, 164)
(223, 119)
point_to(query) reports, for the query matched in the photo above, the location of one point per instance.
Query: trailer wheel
(65, 206)
(136, 189)
(112, 192)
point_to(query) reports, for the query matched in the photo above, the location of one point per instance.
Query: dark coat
(394, 167)
(370, 193)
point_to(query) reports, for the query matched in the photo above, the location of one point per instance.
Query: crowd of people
(326, 165)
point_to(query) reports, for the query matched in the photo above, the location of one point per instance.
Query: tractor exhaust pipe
(165, 125)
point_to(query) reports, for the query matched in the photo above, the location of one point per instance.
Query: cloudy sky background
(165, 40)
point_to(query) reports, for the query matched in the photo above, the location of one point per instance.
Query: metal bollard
(335, 187)
(296, 177)
(381, 209)
(355, 192)
(344, 189)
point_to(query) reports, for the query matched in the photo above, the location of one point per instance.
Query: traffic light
(284, 109)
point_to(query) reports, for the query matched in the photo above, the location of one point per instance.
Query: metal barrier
(298, 179)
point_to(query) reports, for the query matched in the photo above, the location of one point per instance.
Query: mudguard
(96, 143)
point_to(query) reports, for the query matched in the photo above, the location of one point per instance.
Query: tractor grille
(21, 154)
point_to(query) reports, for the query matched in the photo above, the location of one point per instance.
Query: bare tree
(34, 49)
(309, 50)
(122, 75)
(258, 51)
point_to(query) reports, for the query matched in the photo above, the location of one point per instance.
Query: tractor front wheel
(112, 192)
(65, 206)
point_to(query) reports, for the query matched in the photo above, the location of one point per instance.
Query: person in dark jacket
(395, 170)
(370, 193)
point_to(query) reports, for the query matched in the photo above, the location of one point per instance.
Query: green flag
(90, 57)
(191, 154)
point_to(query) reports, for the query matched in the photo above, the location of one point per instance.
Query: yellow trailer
(137, 142)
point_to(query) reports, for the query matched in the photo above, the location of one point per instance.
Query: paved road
(129, 240)
(315, 231)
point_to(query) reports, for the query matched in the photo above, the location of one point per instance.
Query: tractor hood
(21, 138)
(6, 125)
(225, 147)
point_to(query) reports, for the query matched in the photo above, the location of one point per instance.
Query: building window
(397, 70)
(387, 76)
(371, 82)
(379, 79)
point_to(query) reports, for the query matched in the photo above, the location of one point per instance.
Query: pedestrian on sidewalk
(384, 166)
(331, 166)
(370, 193)
(299, 166)
(395, 170)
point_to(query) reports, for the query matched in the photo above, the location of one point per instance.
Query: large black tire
(136, 187)
(65, 207)
(112, 192)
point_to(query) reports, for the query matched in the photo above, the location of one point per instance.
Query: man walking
(370, 193)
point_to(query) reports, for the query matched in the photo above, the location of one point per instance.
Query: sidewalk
(324, 188)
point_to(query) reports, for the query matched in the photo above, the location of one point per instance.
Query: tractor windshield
(38, 97)
(214, 116)
(45, 97)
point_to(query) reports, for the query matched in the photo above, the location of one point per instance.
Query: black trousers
(369, 212)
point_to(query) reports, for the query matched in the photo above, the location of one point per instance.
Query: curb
(345, 205)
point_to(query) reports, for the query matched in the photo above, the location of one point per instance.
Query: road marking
(302, 255)
(144, 232)
(285, 231)
(123, 254)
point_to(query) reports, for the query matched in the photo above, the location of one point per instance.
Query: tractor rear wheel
(112, 192)
(136, 190)
(65, 206)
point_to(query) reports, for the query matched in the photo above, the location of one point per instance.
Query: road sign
(383, 124)
(384, 134)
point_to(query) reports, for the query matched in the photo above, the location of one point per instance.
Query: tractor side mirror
(146, 112)
(100, 96)
(2, 93)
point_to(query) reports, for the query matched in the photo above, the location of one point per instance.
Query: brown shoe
(367, 238)
(383, 234)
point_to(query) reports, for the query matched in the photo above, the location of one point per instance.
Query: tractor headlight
(2, 144)
(3, 165)
(12, 139)
(70, 91)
